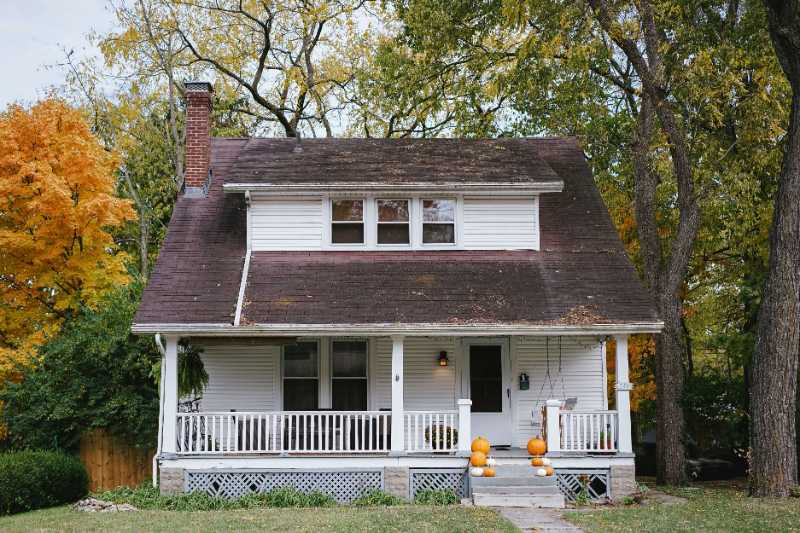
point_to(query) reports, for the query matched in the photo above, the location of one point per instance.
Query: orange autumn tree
(57, 205)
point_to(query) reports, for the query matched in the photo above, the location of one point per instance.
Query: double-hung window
(300, 377)
(438, 221)
(349, 375)
(347, 221)
(393, 222)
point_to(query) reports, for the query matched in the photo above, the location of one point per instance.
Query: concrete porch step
(510, 481)
(515, 490)
(547, 501)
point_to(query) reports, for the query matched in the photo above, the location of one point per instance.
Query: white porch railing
(588, 431)
(284, 432)
(431, 431)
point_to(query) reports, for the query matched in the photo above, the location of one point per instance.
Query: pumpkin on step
(541, 472)
(537, 461)
(545, 461)
(476, 472)
(488, 472)
(548, 470)
(480, 444)
(536, 446)
(477, 459)
(491, 461)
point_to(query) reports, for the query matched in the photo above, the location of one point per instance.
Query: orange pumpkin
(536, 446)
(480, 444)
(549, 470)
(537, 461)
(488, 472)
(477, 459)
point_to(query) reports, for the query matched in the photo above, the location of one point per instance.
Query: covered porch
(397, 397)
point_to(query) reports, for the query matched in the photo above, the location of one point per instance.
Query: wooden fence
(113, 463)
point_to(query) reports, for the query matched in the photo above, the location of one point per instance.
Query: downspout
(160, 410)
(246, 268)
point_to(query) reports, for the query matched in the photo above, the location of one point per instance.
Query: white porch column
(170, 399)
(623, 395)
(464, 426)
(552, 410)
(398, 436)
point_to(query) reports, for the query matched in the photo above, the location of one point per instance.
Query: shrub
(376, 497)
(436, 497)
(148, 497)
(36, 479)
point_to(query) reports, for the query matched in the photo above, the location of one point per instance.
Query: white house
(367, 307)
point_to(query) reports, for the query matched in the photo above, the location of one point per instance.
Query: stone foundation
(396, 481)
(170, 480)
(623, 481)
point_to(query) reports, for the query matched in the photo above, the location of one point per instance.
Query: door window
(486, 379)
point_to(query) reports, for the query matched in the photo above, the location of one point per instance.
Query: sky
(32, 35)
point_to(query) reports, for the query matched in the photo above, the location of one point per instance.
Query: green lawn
(707, 509)
(415, 518)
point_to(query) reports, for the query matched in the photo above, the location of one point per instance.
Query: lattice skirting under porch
(439, 479)
(344, 486)
(597, 483)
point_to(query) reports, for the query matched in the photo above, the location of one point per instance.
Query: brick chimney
(198, 137)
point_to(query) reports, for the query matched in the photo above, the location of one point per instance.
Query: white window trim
(365, 222)
(319, 377)
(370, 221)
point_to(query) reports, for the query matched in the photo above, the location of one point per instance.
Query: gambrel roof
(581, 274)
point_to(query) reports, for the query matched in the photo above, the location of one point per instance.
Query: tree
(676, 102)
(58, 204)
(773, 394)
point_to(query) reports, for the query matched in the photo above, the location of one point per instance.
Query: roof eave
(384, 330)
(493, 188)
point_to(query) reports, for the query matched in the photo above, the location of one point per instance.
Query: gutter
(242, 286)
(495, 189)
(387, 329)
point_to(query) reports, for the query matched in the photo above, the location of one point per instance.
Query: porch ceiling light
(443, 358)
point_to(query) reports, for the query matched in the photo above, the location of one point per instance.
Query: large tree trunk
(773, 467)
(670, 348)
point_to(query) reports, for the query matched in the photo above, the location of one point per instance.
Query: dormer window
(347, 221)
(393, 222)
(438, 221)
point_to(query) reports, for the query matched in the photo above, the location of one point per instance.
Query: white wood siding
(427, 385)
(582, 364)
(241, 376)
(501, 223)
(286, 224)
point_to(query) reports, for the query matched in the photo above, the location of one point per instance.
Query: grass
(340, 519)
(708, 509)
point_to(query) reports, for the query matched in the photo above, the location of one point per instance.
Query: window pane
(348, 210)
(300, 360)
(438, 210)
(349, 395)
(347, 233)
(438, 233)
(392, 210)
(486, 379)
(349, 359)
(393, 234)
(300, 394)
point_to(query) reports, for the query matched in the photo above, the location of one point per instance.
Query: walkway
(538, 520)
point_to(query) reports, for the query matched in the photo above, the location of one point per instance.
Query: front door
(490, 391)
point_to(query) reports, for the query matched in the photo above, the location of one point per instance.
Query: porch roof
(581, 277)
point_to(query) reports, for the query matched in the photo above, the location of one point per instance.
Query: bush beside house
(36, 479)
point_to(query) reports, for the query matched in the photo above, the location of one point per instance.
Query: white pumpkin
(490, 461)
(476, 471)
(546, 461)
(541, 472)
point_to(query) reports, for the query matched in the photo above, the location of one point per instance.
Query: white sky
(32, 33)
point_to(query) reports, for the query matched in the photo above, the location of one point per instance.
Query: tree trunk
(670, 347)
(773, 467)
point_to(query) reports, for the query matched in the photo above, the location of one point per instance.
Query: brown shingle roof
(390, 161)
(580, 275)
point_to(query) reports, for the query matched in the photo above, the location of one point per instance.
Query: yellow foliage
(56, 205)
(640, 348)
